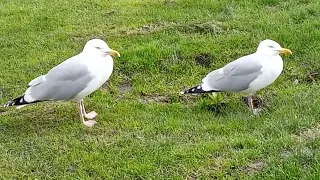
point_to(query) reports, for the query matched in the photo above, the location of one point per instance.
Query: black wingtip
(9, 103)
(196, 90)
(16, 102)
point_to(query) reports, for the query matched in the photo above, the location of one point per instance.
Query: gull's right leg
(250, 104)
(90, 115)
(88, 123)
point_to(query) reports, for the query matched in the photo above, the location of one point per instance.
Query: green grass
(150, 132)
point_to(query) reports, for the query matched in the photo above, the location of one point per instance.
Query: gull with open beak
(73, 79)
(247, 74)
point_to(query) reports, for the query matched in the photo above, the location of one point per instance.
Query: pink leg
(250, 101)
(250, 104)
(88, 123)
(90, 115)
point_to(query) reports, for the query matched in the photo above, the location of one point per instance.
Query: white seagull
(247, 74)
(73, 79)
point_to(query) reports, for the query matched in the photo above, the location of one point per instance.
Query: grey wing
(36, 81)
(62, 82)
(235, 76)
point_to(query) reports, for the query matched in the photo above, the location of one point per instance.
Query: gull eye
(270, 46)
(98, 47)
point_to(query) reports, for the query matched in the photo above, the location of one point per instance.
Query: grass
(145, 130)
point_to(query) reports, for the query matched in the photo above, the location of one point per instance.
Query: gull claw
(89, 123)
(91, 115)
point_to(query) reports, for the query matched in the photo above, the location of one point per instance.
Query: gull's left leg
(90, 115)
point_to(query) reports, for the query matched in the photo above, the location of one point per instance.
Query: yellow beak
(113, 53)
(285, 51)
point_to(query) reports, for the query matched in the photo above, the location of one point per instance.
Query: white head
(271, 48)
(99, 46)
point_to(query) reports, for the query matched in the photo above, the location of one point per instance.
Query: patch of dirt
(169, 2)
(308, 134)
(105, 87)
(72, 168)
(255, 167)
(187, 99)
(125, 86)
(307, 152)
(156, 98)
(257, 102)
(213, 27)
(192, 176)
(204, 59)
(286, 154)
(312, 76)
(149, 28)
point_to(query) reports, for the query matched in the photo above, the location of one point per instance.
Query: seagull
(73, 79)
(247, 74)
